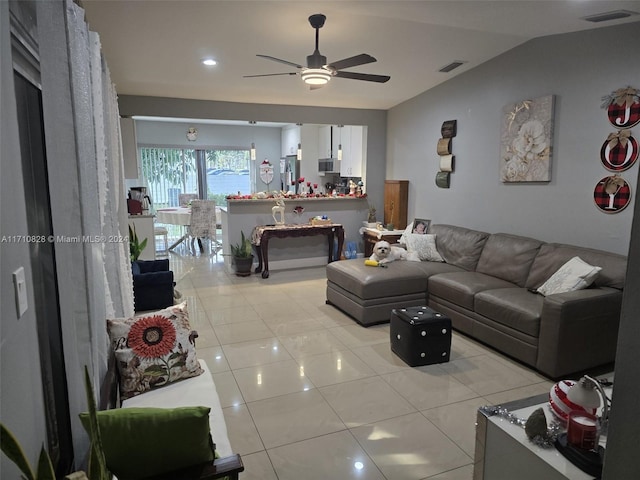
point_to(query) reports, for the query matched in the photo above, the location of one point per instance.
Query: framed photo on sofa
(421, 226)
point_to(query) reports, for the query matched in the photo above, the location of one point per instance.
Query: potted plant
(242, 256)
(97, 466)
(135, 245)
(372, 214)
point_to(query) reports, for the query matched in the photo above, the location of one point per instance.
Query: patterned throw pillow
(424, 246)
(576, 274)
(153, 350)
(405, 234)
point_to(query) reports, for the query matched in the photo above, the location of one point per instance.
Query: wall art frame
(421, 226)
(526, 143)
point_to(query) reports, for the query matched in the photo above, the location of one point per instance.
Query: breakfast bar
(289, 251)
(262, 233)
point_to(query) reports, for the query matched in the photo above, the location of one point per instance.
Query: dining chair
(203, 224)
(185, 198)
(162, 232)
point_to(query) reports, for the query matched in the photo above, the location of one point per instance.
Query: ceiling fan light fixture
(316, 76)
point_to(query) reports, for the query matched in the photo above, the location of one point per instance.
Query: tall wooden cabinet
(396, 201)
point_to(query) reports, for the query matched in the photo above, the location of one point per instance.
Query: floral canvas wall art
(526, 141)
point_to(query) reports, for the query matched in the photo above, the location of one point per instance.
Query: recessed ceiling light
(210, 62)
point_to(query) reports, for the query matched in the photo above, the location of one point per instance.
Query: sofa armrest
(153, 279)
(145, 266)
(578, 330)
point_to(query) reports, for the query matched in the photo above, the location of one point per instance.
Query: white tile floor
(307, 393)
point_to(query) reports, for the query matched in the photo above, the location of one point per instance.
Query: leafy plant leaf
(45, 467)
(12, 449)
(97, 463)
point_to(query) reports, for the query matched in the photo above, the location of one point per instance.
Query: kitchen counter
(242, 215)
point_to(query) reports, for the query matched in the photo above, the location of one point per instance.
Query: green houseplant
(242, 256)
(135, 245)
(97, 466)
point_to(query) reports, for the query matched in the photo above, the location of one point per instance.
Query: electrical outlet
(20, 286)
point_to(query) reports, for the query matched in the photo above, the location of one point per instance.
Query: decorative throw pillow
(424, 245)
(153, 350)
(142, 442)
(407, 231)
(576, 274)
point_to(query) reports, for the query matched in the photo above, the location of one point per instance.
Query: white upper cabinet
(290, 139)
(354, 148)
(325, 148)
(129, 147)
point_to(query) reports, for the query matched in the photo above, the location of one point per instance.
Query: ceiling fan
(317, 72)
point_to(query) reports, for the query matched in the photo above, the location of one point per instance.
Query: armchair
(152, 284)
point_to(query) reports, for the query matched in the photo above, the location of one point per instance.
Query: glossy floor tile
(309, 394)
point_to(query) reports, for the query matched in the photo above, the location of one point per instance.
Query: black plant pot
(243, 265)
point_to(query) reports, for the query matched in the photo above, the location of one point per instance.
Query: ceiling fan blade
(269, 57)
(269, 75)
(364, 76)
(361, 59)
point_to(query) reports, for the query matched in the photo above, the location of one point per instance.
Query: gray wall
(578, 69)
(22, 403)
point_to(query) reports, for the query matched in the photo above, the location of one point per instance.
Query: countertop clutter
(264, 196)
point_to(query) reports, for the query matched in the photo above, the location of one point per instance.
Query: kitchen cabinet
(325, 146)
(290, 138)
(396, 202)
(129, 147)
(353, 141)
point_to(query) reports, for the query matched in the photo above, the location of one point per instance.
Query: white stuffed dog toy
(383, 252)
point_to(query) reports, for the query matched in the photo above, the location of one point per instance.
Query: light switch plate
(20, 286)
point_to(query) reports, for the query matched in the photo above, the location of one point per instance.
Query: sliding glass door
(211, 173)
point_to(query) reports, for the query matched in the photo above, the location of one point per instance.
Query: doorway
(43, 267)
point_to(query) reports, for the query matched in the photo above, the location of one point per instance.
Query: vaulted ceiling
(155, 47)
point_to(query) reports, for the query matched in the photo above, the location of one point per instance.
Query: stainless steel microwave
(329, 165)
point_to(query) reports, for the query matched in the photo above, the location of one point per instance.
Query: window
(171, 171)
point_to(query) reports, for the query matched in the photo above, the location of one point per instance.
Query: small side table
(373, 235)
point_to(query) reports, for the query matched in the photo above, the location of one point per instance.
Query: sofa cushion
(460, 288)
(423, 247)
(515, 308)
(553, 255)
(153, 350)
(142, 442)
(574, 275)
(508, 257)
(458, 245)
(399, 278)
(195, 391)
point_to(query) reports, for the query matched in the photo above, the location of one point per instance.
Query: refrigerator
(289, 173)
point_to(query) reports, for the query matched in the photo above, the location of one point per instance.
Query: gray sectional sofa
(486, 285)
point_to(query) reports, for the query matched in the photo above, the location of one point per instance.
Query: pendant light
(340, 144)
(299, 152)
(252, 150)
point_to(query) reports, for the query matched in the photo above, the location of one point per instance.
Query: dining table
(175, 216)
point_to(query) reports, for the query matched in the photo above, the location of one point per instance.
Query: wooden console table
(262, 233)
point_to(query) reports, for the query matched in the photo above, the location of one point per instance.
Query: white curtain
(86, 179)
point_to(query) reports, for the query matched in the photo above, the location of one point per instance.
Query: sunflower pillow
(153, 350)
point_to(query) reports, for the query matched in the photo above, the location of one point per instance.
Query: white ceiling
(154, 48)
